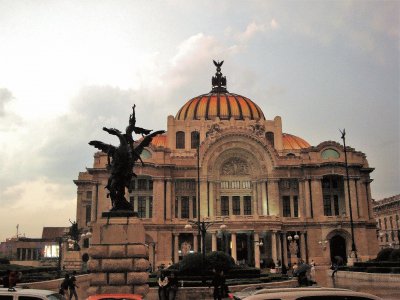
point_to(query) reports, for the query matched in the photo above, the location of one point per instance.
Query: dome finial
(218, 81)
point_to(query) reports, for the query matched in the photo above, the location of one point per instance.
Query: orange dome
(292, 142)
(223, 105)
(159, 140)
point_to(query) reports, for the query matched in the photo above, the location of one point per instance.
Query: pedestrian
(64, 286)
(334, 267)
(6, 279)
(172, 287)
(162, 285)
(72, 286)
(312, 271)
(294, 269)
(218, 283)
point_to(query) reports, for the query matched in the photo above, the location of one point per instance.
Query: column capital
(176, 233)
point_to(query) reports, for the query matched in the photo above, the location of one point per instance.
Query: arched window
(270, 137)
(290, 155)
(180, 140)
(194, 139)
(329, 153)
(145, 154)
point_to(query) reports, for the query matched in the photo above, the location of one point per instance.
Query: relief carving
(258, 129)
(235, 166)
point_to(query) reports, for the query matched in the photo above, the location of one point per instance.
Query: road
(385, 290)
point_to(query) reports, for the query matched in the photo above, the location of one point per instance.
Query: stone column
(195, 242)
(211, 197)
(234, 246)
(284, 250)
(169, 201)
(248, 239)
(273, 246)
(214, 242)
(255, 199)
(256, 250)
(273, 197)
(302, 246)
(264, 209)
(118, 257)
(176, 247)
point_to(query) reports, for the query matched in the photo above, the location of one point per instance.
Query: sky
(68, 68)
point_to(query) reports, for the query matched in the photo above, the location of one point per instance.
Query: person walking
(72, 286)
(218, 283)
(64, 286)
(162, 286)
(312, 271)
(172, 286)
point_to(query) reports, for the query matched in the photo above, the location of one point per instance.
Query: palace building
(279, 197)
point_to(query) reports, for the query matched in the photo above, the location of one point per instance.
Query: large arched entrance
(338, 248)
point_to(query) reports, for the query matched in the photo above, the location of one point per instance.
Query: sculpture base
(118, 256)
(119, 214)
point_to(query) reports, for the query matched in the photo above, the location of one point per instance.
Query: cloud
(5, 96)
(251, 30)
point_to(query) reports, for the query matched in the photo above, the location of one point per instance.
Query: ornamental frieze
(235, 166)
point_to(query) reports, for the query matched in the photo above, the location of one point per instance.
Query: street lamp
(202, 227)
(353, 244)
(323, 244)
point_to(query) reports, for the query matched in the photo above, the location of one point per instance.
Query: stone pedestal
(352, 259)
(118, 257)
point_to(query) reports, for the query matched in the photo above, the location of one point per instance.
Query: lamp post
(202, 227)
(353, 244)
(293, 248)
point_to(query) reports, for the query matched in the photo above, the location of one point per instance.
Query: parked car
(31, 294)
(115, 297)
(310, 294)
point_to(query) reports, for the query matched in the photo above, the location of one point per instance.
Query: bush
(269, 263)
(4, 261)
(395, 255)
(384, 254)
(220, 261)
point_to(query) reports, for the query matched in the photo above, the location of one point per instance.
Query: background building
(265, 185)
(387, 212)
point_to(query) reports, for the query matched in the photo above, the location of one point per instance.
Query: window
(88, 213)
(194, 206)
(392, 236)
(132, 201)
(236, 205)
(330, 153)
(333, 195)
(246, 184)
(247, 205)
(391, 222)
(224, 205)
(6, 297)
(133, 185)
(150, 185)
(142, 207)
(286, 206)
(150, 206)
(194, 139)
(176, 207)
(270, 138)
(85, 243)
(180, 140)
(235, 184)
(295, 206)
(327, 206)
(142, 184)
(28, 298)
(185, 207)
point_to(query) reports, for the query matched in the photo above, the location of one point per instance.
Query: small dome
(292, 142)
(224, 105)
(159, 140)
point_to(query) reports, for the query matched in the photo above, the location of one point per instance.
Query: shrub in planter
(395, 255)
(4, 261)
(384, 254)
(269, 263)
(221, 261)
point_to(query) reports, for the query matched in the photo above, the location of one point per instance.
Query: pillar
(284, 250)
(176, 247)
(273, 197)
(303, 246)
(256, 250)
(234, 246)
(211, 197)
(214, 242)
(195, 242)
(273, 246)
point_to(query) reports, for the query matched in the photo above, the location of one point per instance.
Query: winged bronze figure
(122, 158)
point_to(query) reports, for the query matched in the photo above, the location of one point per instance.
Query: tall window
(194, 206)
(185, 207)
(150, 206)
(88, 211)
(236, 205)
(286, 206)
(270, 138)
(289, 191)
(247, 205)
(180, 140)
(176, 207)
(194, 139)
(224, 206)
(333, 195)
(142, 184)
(142, 207)
(89, 195)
